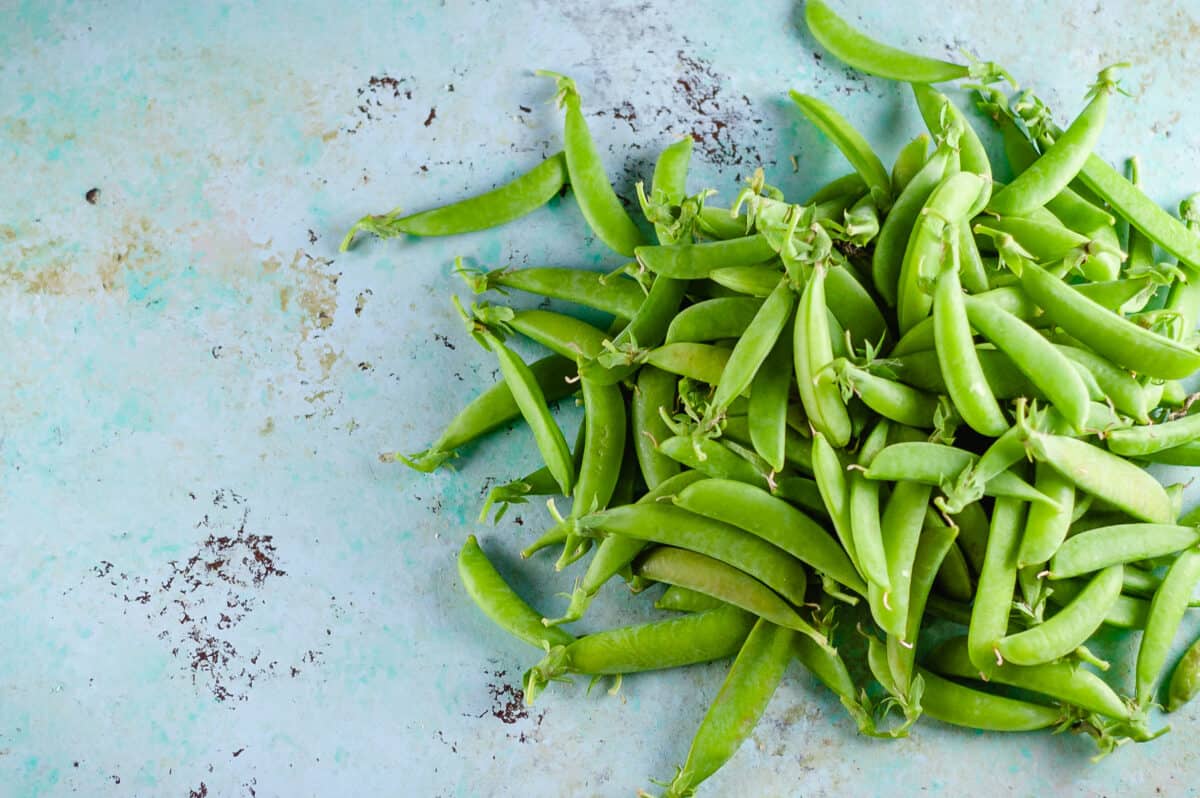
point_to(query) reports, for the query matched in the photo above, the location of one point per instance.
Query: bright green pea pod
(768, 406)
(493, 595)
(721, 223)
(683, 599)
(953, 703)
(923, 370)
(997, 585)
(1185, 681)
(713, 320)
(703, 362)
(537, 483)
(1166, 613)
(854, 307)
(1101, 547)
(714, 459)
(694, 261)
(865, 526)
(954, 576)
(671, 169)
(1067, 629)
(1126, 393)
(511, 201)
(1114, 294)
(903, 518)
(891, 399)
(564, 335)
(597, 200)
(973, 272)
(813, 351)
(850, 185)
(743, 698)
(1010, 298)
(852, 144)
(655, 392)
(797, 449)
(830, 669)
(1048, 524)
(935, 544)
(1127, 612)
(757, 281)
(1048, 241)
(617, 295)
(909, 161)
(1187, 454)
(646, 329)
(940, 115)
(1151, 438)
(830, 474)
(938, 464)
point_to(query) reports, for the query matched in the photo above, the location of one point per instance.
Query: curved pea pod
(768, 406)
(865, 523)
(671, 169)
(909, 160)
(830, 475)
(684, 599)
(1048, 524)
(713, 320)
(830, 670)
(703, 362)
(1187, 454)
(1185, 680)
(564, 335)
(613, 294)
(954, 575)
(935, 544)
(849, 185)
(755, 511)
(953, 703)
(1036, 357)
(891, 399)
(852, 144)
(853, 306)
(903, 517)
(1167, 609)
(743, 698)
(646, 329)
(1064, 682)
(812, 352)
(1067, 629)
(1151, 438)
(686, 640)
(655, 392)
(797, 449)
(1108, 334)
(717, 580)
(1010, 298)
(938, 464)
(1105, 475)
(693, 261)
(499, 602)
(1127, 612)
(714, 459)
(510, 201)
(997, 585)
(754, 281)
(1102, 547)
(1126, 393)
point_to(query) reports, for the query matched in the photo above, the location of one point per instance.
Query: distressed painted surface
(211, 584)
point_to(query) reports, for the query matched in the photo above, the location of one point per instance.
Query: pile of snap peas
(920, 402)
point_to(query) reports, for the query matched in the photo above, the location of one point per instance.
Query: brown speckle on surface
(92, 196)
(432, 116)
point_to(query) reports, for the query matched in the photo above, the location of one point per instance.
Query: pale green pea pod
(851, 143)
(1067, 629)
(1167, 609)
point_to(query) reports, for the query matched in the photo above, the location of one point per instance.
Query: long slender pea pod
(1067, 629)
(701, 362)
(768, 407)
(1185, 680)
(849, 185)
(1064, 682)
(830, 474)
(1100, 473)
(1114, 294)
(830, 670)
(972, 523)
(1036, 357)
(717, 460)
(1109, 334)
(908, 163)
(813, 351)
(1187, 454)
(493, 408)
(953, 703)
(941, 115)
(891, 399)
(1046, 239)
(938, 464)
(510, 201)
(683, 640)
(755, 281)
(954, 576)
(499, 602)
(654, 393)
(1127, 612)
(536, 483)
(974, 273)
(713, 320)
(1048, 524)
(1126, 393)
(617, 295)
(888, 256)
(1010, 298)
(996, 586)
(923, 370)
(684, 599)
(755, 511)
(1102, 547)
(935, 544)
(713, 578)
(865, 528)
(743, 698)
(797, 449)
(903, 517)
(853, 306)
(694, 261)
(1151, 438)
(564, 335)
(646, 329)
(1167, 609)
(597, 200)
(1184, 296)
(851, 143)
(721, 223)
(750, 351)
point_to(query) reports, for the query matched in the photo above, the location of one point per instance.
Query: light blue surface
(210, 584)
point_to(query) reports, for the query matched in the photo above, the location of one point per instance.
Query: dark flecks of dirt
(365, 366)
(116, 779)
(508, 701)
(432, 116)
(525, 110)
(442, 737)
(450, 88)
(444, 341)
(518, 520)
(312, 237)
(238, 753)
(380, 97)
(199, 792)
(92, 196)
(424, 168)
(216, 352)
(360, 301)
(853, 251)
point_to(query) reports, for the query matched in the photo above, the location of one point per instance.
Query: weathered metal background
(210, 584)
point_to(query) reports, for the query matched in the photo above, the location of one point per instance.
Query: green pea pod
(655, 392)
(996, 586)
(903, 517)
(511, 201)
(852, 144)
(830, 475)
(1125, 392)
(850, 185)
(965, 381)
(1114, 294)
(617, 295)
(1144, 440)
(953, 703)
(797, 449)
(1048, 524)
(694, 261)
(768, 407)
(940, 115)
(935, 544)
(974, 273)
(714, 459)
(701, 362)
(1101, 547)
(713, 320)
(756, 281)
(1010, 298)
(1185, 680)
(1067, 629)
(891, 399)
(865, 522)
(813, 351)
(1127, 612)
(1166, 613)
(854, 307)
(938, 464)
(599, 203)
(743, 697)
(493, 595)
(721, 223)
(909, 161)
(682, 599)
(954, 576)
(1187, 454)
(671, 169)
(564, 335)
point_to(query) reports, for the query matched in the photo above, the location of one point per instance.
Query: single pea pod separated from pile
(920, 399)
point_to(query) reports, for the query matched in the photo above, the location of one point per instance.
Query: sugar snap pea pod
(1114, 294)
(617, 295)
(1167, 609)
(1184, 295)
(830, 670)
(721, 223)
(936, 543)
(1048, 241)
(744, 696)
(510, 201)
(671, 169)
(756, 511)
(1150, 438)
(1036, 357)
(646, 329)
(1068, 628)
(1127, 612)
(903, 517)
(908, 163)
(537, 483)
(888, 257)
(939, 115)
(972, 523)
(1064, 682)
(1185, 680)
(693, 261)
(493, 595)
(756, 281)
(589, 183)
(684, 640)
(1138, 582)
(965, 382)
(1187, 454)
(938, 464)
(493, 408)
(865, 526)
(750, 352)
(684, 599)
(1126, 393)
(674, 526)
(564, 335)
(703, 362)
(1098, 548)
(813, 351)
(713, 319)
(954, 576)
(996, 586)
(891, 399)
(973, 272)
(851, 143)
(1010, 298)
(853, 306)
(1047, 526)
(714, 459)
(953, 703)
(1106, 475)
(655, 392)
(850, 185)
(830, 474)
(797, 449)
(768, 407)
(554, 536)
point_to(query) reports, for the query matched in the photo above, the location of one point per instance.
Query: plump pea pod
(703, 362)
(671, 170)
(891, 399)
(996, 586)
(1166, 613)
(1185, 680)
(713, 578)
(750, 352)
(713, 458)
(888, 257)
(673, 526)
(1064, 682)
(693, 261)
(684, 599)
(655, 392)
(1058, 165)
(830, 474)
(1099, 548)
(853, 306)
(1047, 526)
(1107, 333)
(510, 201)
(721, 223)
(852, 144)
(536, 483)
(617, 295)
(493, 408)
(923, 370)
(1046, 239)
(903, 517)
(1187, 454)
(797, 449)
(1067, 629)
(1126, 393)
(599, 203)
(713, 320)
(672, 643)
(865, 528)
(755, 511)
(938, 464)
(940, 115)
(646, 329)
(973, 272)
(743, 698)
(1127, 612)
(564, 335)
(908, 163)
(755, 281)
(492, 594)
(1114, 294)
(813, 351)
(954, 577)
(1036, 357)
(830, 670)
(1144, 440)
(935, 544)
(1100, 473)
(1009, 298)
(1138, 582)
(953, 703)
(848, 185)
(972, 523)
(768, 407)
